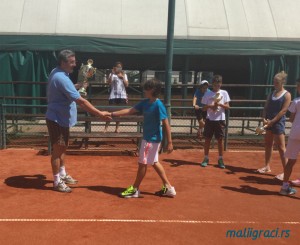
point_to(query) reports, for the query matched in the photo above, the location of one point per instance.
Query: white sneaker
(296, 182)
(280, 176)
(167, 192)
(62, 187)
(68, 179)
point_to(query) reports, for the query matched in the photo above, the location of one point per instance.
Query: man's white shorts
(148, 152)
(292, 149)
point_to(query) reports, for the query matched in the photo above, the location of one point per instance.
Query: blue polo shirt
(61, 96)
(199, 95)
(153, 114)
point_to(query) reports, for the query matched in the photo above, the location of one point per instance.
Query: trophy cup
(217, 98)
(86, 71)
(261, 130)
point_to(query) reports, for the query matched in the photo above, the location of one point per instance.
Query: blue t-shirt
(199, 95)
(153, 114)
(61, 96)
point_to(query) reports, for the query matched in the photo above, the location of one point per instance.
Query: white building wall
(195, 19)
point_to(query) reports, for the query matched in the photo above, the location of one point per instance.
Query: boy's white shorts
(292, 149)
(148, 152)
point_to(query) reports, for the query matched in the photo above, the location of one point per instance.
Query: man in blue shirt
(61, 114)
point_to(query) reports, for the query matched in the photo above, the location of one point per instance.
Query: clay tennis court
(209, 201)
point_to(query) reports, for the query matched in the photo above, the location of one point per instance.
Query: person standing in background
(274, 119)
(215, 103)
(293, 146)
(200, 114)
(118, 82)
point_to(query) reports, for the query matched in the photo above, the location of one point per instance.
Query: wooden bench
(87, 134)
(193, 125)
(245, 123)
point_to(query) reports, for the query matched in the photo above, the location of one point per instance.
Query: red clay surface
(209, 201)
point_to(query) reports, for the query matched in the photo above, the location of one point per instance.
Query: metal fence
(23, 122)
(19, 129)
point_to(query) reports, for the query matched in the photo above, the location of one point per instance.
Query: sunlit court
(210, 205)
(149, 122)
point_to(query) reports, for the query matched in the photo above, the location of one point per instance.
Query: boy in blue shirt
(197, 104)
(154, 113)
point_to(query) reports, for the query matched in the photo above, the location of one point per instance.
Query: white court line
(150, 221)
(250, 151)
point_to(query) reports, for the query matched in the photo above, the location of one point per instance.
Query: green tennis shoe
(205, 162)
(130, 192)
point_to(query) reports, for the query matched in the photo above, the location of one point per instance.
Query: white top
(295, 108)
(277, 98)
(117, 87)
(208, 99)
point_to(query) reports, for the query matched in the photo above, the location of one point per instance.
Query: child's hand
(120, 75)
(169, 148)
(196, 107)
(214, 107)
(267, 123)
(106, 116)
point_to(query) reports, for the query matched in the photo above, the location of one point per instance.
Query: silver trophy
(217, 98)
(261, 130)
(85, 73)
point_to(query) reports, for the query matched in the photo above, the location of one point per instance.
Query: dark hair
(217, 78)
(118, 63)
(64, 55)
(154, 84)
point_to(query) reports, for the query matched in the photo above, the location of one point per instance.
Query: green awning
(147, 46)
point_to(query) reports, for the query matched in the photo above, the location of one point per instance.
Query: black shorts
(58, 135)
(214, 128)
(118, 101)
(200, 114)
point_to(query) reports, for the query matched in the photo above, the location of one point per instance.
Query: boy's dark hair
(217, 78)
(64, 55)
(118, 63)
(154, 84)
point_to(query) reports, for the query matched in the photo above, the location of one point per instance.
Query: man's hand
(106, 116)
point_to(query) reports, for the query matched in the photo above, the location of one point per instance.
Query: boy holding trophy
(215, 103)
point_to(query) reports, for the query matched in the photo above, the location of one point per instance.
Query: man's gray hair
(64, 55)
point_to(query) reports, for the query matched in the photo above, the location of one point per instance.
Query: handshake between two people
(106, 115)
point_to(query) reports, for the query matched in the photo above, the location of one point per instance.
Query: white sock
(62, 171)
(285, 185)
(56, 178)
